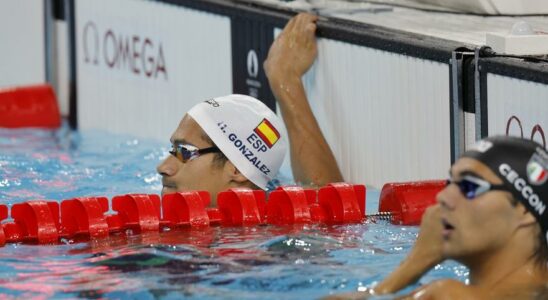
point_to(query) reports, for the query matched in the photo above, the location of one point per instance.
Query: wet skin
(494, 237)
(479, 225)
(200, 174)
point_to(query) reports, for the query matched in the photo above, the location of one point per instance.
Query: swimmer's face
(477, 226)
(199, 173)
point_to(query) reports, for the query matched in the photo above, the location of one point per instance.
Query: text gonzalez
(257, 144)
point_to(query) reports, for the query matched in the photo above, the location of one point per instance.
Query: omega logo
(537, 129)
(139, 55)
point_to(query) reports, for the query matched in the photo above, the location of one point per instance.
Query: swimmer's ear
(234, 174)
(527, 218)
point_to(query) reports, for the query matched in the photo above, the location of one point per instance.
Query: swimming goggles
(472, 187)
(185, 153)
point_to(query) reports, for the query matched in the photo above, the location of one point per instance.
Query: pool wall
(417, 94)
(371, 105)
(393, 105)
(25, 57)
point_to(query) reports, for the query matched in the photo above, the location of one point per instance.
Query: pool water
(266, 262)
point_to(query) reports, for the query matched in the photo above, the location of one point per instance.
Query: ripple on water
(271, 262)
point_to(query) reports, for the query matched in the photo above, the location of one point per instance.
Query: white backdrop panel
(22, 51)
(525, 100)
(385, 115)
(143, 64)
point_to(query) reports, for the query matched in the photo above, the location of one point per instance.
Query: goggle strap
(208, 150)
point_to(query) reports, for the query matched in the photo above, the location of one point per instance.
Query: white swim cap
(247, 132)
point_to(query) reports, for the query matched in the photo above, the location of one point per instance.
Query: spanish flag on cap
(268, 133)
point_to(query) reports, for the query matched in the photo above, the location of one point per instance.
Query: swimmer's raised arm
(290, 56)
(426, 253)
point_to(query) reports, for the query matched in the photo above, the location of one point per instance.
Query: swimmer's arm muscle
(311, 157)
(290, 56)
(408, 272)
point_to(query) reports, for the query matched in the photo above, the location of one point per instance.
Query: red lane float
(242, 207)
(3, 216)
(406, 202)
(45, 222)
(343, 202)
(337, 203)
(290, 205)
(34, 222)
(29, 106)
(84, 217)
(186, 209)
(137, 212)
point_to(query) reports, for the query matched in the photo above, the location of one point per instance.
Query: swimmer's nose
(168, 167)
(445, 198)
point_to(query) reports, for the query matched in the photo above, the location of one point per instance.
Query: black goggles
(472, 187)
(185, 153)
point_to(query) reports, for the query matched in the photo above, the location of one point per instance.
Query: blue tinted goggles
(472, 187)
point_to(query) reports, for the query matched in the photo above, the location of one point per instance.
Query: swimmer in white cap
(491, 217)
(235, 141)
(222, 143)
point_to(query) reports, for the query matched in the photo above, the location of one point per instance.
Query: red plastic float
(290, 205)
(44, 222)
(85, 217)
(186, 209)
(3, 216)
(406, 202)
(29, 106)
(343, 202)
(242, 207)
(34, 222)
(138, 212)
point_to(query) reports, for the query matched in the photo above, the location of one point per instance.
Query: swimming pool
(269, 262)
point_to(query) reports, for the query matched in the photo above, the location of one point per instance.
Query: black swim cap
(523, 166)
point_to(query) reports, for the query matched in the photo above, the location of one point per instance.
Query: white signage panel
(22, 51)
(143, 64)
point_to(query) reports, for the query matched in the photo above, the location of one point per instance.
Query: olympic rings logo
(537, 129)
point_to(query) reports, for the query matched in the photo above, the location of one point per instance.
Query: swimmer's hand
(429, 242)
(294, 50)
(426, 253)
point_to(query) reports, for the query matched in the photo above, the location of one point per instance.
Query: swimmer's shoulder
(446, 289)
(528, 283)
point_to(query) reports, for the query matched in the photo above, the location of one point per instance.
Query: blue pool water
(266, 262)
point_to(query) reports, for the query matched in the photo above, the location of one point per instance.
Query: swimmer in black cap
(492, 217)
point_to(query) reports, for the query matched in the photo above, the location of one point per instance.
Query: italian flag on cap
(536, 173)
